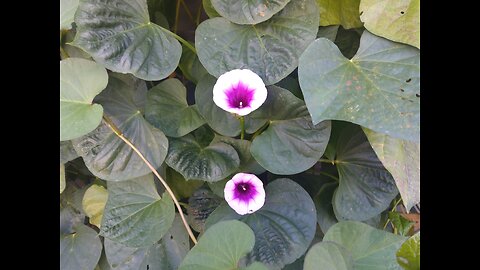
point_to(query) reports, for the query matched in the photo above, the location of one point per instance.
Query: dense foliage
(146, 151)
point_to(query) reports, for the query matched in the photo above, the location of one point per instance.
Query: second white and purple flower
(244, 193)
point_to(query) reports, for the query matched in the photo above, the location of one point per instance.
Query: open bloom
(244, 193)
(239, 91)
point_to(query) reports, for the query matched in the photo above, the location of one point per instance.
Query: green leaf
(69, 218)
(284, 227)
(402, 159)
(270, 49)
(94, 202)
(209, 9)
(366, 188)
(80, 81)
(323, 203)
(400, 224)
(104, 153)
(329, 32)
(408, 256)
(135, 215)
(220, 247)
(67, 12)
(62, 178)
(180, 187)
(190, 65)
(194, 161)
(291, 144)
(255, 266)
(328, 255)
(378, 88)
(218, 187)
(167, 109)
(164, 255)
(200, 205)
(67, 152)
(80, 250)
(343, 12)
(396, 20)
(219, 120)
(119, 35)
(248, 11)
(371, 249)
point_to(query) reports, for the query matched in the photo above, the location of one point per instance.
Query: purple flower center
(239, 96)
(245, 191)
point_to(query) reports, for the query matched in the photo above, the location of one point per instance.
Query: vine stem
(327, 161)
(242, 126)
(117, 132)
(183, 41)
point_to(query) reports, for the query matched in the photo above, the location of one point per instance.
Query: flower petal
(244, 193)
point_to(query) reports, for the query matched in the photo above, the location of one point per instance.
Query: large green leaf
(208, 163)
(408, 256)
(135, 215)
(366, 188)
(104, 153)
(220, 247)
(164, 255)
(323, 203)
(343, 12)
(80, 250)
(271, 49)
(168, 110)
(329, 256)
(402, 160)
(67, 12)
(248, 11)
(370, 248)
(219, 120)
(291, 144)
(379, 88)
(284, 227)
(397, 20)
(119, 35)
(80, 81)
(93, 203)
(200, 205)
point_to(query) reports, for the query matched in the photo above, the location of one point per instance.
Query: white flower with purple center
(244, 193)
(239, 91)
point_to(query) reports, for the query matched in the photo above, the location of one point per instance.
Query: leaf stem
(199, 13)
(117, 132)
(327, 161)
(242, 126)
(259, 131)
(183, 41)
(330, 175)
(177, 9)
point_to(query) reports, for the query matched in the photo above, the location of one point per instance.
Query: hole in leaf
(361, 12)
(148, 266)
(402, 90)
(409, 80)
(401, 12)
(171, 236)
(417, 95)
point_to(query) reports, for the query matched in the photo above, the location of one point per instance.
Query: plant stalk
(242, 126)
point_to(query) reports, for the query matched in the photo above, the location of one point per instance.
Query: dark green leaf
(328, 255)
(400, 224)
(378, 88)
(180, 187)
(366, 188)
(80, 250)
(408, 256)
(291, 144)
(119, 35)
(284, 227)
(194, 161)
(344, 12)
(329, 32)
(219, 120)
(248, 11)
(371, 249)
(135, 215)
(200, 205)
(270, 49)
(190, 66)
(104, 153)
(167, 109)
(323, 203)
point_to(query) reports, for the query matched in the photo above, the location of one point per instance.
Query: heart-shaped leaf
(291, 144)
(94, 202)
(219, 120)
(200, 205)
(379, 88)
(208, 163)
(270, 49)
(370, 248)
(284, 227)
(119, 35)
(396, 20)
(80, 81)
(104, 153)
(343, 12)
(247, 11)
(328, 255)
(67, 12)
(402, 160)
(366, 188)
(408, 256)
(80, 250)
(221, 247)
(323, 203)
(164, 255)
(168, 110)
(136, 203)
